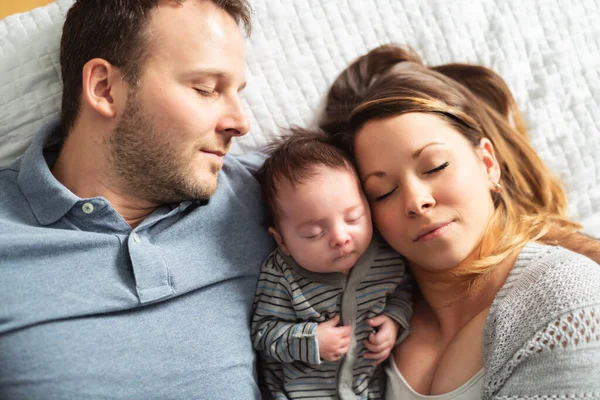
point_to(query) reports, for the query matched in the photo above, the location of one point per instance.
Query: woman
(455, 186)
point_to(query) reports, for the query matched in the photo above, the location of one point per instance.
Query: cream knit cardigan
(542, 333)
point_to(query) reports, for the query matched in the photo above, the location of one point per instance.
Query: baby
(332, 300)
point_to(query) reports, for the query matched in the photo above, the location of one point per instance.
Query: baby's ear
(279, 239)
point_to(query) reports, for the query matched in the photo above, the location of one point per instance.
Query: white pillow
(30, 86)
(548, 51)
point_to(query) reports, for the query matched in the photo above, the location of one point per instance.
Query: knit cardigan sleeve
(542, 335)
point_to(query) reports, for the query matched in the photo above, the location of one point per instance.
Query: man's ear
(279, 239)
(490, 163)
(102, 87)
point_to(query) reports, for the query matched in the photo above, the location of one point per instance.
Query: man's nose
(234, 121)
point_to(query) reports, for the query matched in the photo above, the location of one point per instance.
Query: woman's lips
(432, 231)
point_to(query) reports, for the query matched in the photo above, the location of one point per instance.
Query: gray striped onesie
(290, 302)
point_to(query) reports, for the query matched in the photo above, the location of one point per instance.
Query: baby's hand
(380, 343)
(334, 341)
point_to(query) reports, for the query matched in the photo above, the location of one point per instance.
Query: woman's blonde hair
(391, 80)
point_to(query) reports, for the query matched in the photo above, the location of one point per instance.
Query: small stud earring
(497, 187)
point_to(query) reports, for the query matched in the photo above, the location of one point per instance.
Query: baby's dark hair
(295, 158)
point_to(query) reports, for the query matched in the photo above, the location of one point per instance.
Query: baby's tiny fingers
(369, 355)
(374, 338)
(373, 348)
(383, 356)
(343, 350)
(372, 356)
(376, 347)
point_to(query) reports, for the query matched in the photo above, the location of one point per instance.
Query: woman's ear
(279, 239)
(101, 87)
(490, 163)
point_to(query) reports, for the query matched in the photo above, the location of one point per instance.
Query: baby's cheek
(389, 223)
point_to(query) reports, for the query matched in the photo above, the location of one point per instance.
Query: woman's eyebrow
(417, 153)
(378, 174)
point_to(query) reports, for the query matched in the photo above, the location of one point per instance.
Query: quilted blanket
(548, 51)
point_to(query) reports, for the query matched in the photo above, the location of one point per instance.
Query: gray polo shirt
(90, 308)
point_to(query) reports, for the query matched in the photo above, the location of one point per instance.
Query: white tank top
(398, 388)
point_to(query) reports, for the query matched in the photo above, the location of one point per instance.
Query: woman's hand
(381, 342)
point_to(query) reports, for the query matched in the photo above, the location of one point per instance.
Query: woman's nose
(417, 199)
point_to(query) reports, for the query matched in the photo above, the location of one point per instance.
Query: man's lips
(215, 152)
(432, 231)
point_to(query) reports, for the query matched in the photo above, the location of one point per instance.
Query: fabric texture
(291, 301)
(91, 308)
(542, 333)
(548, 51)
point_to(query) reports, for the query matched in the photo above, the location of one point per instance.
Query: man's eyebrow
(417, 153)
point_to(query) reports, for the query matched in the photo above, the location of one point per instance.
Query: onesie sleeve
(399, 307)
(275, 330)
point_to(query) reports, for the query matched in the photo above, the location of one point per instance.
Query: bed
(548, 51)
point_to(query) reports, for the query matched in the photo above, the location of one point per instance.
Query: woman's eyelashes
(441, 167)
(384, 196)
(431, 171)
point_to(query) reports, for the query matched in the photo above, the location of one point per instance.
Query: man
(125, 271)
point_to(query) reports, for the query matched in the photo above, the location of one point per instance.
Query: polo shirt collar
(48, 198)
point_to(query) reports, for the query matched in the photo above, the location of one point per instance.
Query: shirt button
(136, 237)
(87, 208)
(346, 386)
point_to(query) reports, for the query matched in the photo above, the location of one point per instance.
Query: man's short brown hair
(295, 158)
(114, 30)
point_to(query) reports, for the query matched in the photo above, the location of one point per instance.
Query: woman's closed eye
(384, 196)
(431, 171)
(437, 169)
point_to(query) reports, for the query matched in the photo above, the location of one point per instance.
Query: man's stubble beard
(147, 165)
